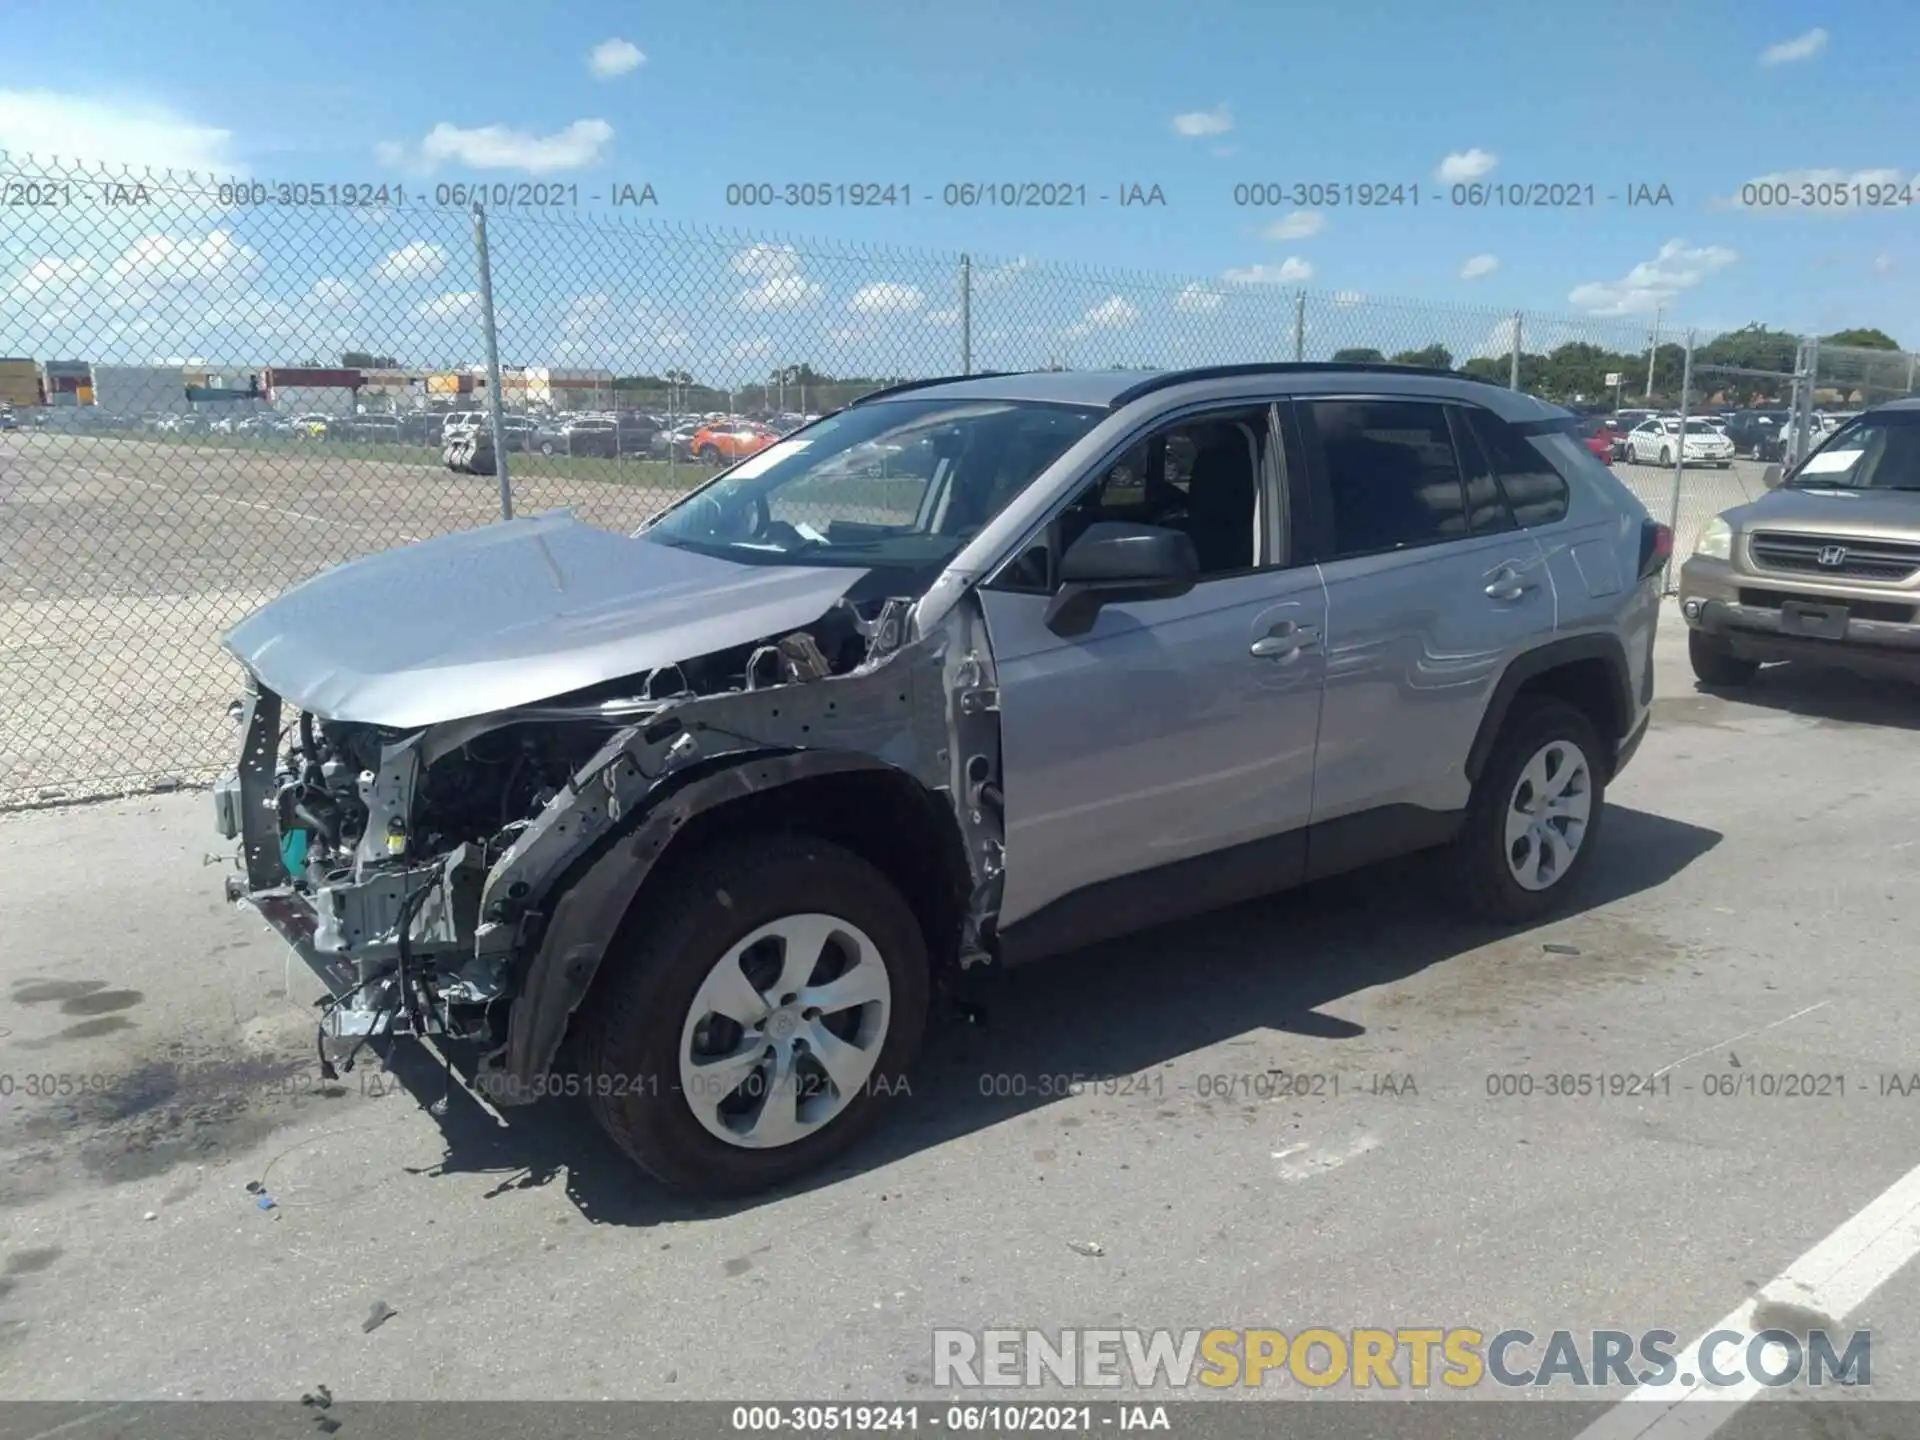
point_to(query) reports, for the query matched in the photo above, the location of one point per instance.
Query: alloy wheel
(1548, 814)
(785, 1031)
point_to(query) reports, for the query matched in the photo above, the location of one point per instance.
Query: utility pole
(1653, 349)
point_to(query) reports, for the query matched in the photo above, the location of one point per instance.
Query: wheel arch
(863, 803)
(1589, 672)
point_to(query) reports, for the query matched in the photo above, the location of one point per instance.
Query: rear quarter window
(1537, 492)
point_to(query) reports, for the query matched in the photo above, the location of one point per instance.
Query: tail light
(1656, 548)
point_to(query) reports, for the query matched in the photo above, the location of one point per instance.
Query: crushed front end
(466, 878)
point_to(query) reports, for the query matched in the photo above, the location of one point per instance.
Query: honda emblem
(1832, 557)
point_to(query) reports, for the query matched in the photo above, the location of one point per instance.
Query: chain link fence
(220, 388)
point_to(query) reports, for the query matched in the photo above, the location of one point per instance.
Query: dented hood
(509, 614)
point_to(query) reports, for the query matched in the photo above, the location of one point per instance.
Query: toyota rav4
(974, 671)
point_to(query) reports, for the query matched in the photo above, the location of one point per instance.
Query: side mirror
(1115, 561)
(1772, 476)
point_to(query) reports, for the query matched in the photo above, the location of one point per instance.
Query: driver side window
(1201, 476)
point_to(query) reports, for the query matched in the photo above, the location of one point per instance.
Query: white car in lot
(1655, 442)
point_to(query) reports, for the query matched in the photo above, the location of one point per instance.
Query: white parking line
(1824, 1286)
(1309, 1165)
(1743, 1035)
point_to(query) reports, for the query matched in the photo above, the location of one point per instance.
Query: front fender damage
(926, 708)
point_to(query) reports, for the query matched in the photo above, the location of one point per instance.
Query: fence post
(1806, 377)
(1679, 459)
(966, 314)
(1912, 361)
(1300, 327)
(1513, 364)
(496, 417)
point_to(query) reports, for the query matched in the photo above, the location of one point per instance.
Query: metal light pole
(1679, 456)
(496, 419)
(1653, 349)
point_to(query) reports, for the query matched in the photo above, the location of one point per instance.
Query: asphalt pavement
(1110, 1147)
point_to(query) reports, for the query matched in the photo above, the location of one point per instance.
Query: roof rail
(907, 385)
(1166, 379)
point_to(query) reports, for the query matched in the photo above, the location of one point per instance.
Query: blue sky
(1198, 98)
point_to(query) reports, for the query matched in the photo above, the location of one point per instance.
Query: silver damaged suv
(694, 823)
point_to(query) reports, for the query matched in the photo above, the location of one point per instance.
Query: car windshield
(1873, 453)
(1701, 427)
(897, 483)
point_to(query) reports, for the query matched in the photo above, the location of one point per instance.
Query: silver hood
(512, 613)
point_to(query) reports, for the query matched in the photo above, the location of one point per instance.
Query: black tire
(631, 1039)
(546, 447)
(1666, 456)
(707, 454)
(1483, 883)
(1715, 665)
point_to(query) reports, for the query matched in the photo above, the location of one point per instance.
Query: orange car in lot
(726, 443)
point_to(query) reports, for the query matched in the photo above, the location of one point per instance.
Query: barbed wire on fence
(232, 383)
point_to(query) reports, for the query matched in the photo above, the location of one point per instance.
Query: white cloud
(1300, 225)
(999, 277)
(1196, 123)
(1654, 282)
(496, 147)
(1478, 266)
(1465, 165)
(55, 273)
(757, 348)
(1290, 271)
(157, 260)
(1197, 299)
(1116, 312)
(44, 123)
(886, 298)
(1829, 191)
(948, 315)
(612, 58)
(418, 261)
(1348, 299)
(454, 305)
(330, 291)
(777, 268)
(1883, 264)
(1801, 47)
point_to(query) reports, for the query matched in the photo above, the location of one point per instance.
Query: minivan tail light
(1656, 548)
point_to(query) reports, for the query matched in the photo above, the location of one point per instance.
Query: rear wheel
(546, 447)
(1714, 663)
(762, 1019)
(1534, 815)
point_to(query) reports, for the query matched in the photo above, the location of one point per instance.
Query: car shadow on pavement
(1118, 1009)
(1833, 697)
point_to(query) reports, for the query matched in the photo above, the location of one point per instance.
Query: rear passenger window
(1487, 511)
(1536, 491)
(1393, 478)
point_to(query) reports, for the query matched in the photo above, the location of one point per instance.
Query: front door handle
(1285, 641)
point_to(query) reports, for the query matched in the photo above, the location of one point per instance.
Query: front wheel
(1666, 456)
(761, 1020)
(546, 447)
(1534, 815)
(1715, 665)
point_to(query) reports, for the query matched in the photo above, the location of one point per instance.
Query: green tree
(1432, 357)
(1359, 355)
(1861, 340)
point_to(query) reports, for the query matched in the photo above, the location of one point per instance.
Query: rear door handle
(1507, 584)
(1285, 641)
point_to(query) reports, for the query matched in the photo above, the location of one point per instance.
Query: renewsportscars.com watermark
(1397, 1359)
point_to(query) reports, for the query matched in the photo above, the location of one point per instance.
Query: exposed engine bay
(418, 870)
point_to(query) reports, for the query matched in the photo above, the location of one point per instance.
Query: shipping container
(22, 382)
